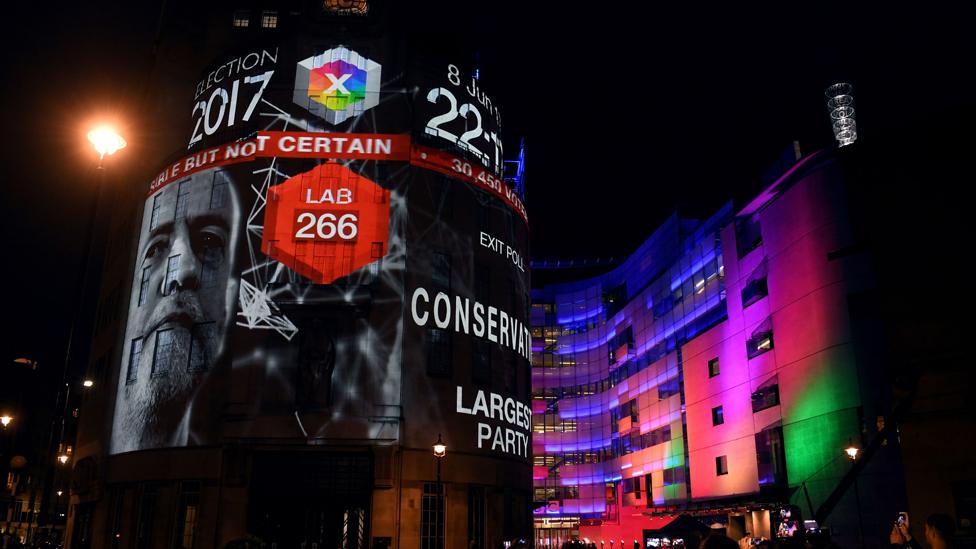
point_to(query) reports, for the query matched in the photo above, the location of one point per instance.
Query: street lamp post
(106, 142)
(440, 450)
(852, 452)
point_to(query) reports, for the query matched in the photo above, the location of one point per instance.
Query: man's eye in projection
(155, 248)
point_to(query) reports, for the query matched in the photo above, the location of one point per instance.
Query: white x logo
(337, 83)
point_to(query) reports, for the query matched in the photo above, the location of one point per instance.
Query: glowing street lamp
(88, 384)
(851, 452)
(5, 420)
(440, 449)
(63, 458)
(106, 142)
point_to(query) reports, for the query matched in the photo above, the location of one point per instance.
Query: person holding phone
(940, 531)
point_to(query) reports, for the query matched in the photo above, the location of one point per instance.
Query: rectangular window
(754, 291)
(770, 456)
(440, 271)
(766, 396)
(163, 354)
(721, 465)
(242, 19)
(144, 285)
(218, 193)
(761, 339)
(713, 367)
(183, 199)
(187, 514)
(674, 475)
(135, 353)
(438, 352)
(147, 511)
(213, 257)
(668, 388)
(718, 416)
(759, 344)
(481, 362)
(157, 205)
(748, 234)
(269, 19)
(432, 516)
(203, 339)
(476, 515)
(172, 273)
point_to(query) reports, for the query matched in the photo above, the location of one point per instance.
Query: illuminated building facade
(304, 310)
(719, 371)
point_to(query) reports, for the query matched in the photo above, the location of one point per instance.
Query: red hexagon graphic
(326, 223)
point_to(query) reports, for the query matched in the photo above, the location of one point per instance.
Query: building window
(481, 362)
(135, 353)
(218, 192)
(187, 513)
(438, 352)
(655, 437)
(713, 368)
(269, 19)
(754, 291)
(432, 516)
(182, 199)
(163, 354)
(242, 19)
(721, 465)
(718, 416)
(203, 339)
(674, 475)
(144, 284)
(440, 271)
(748, 234)
(147, 512)
(668, 388)
(477, 516)
(755, 287)
(766, 396)
(770, 456)
(157, 205)
(172, 272)
(211, 259)
(761, 339)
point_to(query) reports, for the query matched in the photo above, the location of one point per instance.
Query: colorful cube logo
(337, 84)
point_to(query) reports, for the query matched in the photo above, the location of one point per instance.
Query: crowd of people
(939, 533)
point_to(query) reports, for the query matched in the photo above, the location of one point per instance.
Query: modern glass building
(719, 372)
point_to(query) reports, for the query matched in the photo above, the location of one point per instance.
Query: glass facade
(608, 406)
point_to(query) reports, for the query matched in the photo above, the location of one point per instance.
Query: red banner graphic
(448, 164)
(341, 146)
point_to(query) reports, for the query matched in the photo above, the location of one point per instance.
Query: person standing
(940, 530)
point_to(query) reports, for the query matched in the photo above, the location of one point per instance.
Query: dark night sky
(628, 114)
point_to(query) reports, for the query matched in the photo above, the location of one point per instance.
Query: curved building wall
(330, 275)
(713, 373)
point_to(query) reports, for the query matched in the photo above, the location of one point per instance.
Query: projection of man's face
(182, 302)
